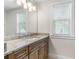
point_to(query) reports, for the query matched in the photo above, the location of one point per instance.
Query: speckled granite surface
(13, 45)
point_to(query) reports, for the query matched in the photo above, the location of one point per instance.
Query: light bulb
(30, 9)
(29, 4)
(19, 2)
(34, 8)
(23, 1)
(25, 6)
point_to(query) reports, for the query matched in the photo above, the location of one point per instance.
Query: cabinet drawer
(33, 55)
(43, 43)
(22, 57)
(21, 52)
(26, 50)
(34, 46)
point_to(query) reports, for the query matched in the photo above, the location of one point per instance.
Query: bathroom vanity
(31, 49)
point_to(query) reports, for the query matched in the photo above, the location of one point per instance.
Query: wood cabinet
(6, 57)
(36, 50)
(33, 55)
(46, 51)
(41, 53)
(19, 54)
(12, 56)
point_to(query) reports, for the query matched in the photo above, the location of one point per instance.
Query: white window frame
(52, 31)
(54, 27)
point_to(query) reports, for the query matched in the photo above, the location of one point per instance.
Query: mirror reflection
(18, 17)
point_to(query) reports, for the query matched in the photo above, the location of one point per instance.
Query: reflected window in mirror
(21, 23)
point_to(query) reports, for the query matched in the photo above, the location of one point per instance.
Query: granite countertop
(13, 45)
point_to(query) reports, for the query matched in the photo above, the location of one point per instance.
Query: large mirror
(20, 17)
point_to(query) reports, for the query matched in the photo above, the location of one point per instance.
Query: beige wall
(63, 47)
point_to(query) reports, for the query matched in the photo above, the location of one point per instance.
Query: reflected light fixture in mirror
(23, 1)
(25, 6)
(30, 9)
(34, 8)
(29, 4)
(19, 2)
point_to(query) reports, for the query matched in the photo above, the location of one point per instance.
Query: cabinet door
(33, 55)
(13, 56)
(46, 51)
(23, 57)
(5, 57)
(41, 53)
(19, 54)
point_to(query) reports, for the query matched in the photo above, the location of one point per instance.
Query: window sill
(62, 37)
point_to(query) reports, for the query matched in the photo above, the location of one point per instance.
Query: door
(46, 51)
(34, 55)
(41, 53)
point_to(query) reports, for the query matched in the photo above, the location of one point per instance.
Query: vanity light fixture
(34, 8)
(30, 9)
(25, 6)
(29, 4)
(19, 2)
(23, 1)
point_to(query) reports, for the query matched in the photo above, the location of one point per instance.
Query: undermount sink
(12, 43)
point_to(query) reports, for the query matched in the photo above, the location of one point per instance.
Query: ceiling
(11, 4)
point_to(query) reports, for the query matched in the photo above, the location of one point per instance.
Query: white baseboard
(54, 56)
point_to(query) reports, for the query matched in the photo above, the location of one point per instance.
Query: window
(21, 23)
(61, 20)
(61, 27)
